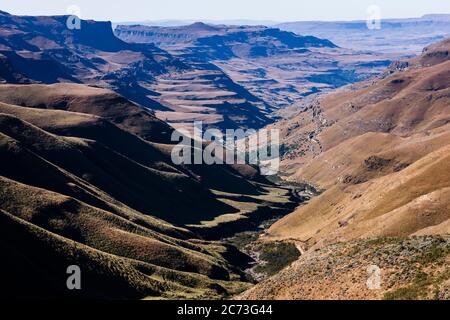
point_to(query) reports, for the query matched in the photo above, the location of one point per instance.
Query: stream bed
(269, 257)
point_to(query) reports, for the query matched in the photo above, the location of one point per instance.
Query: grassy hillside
(99, 192)
(409, 269)
(380, 151)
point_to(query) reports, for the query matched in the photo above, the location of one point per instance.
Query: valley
(275, 68)
(87, 177)
(70, 162)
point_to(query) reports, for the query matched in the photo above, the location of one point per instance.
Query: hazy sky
(278, 10)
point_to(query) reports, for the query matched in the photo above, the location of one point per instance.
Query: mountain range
(276, 66)
(86, 177)
(225, 76)
(393, 35)
(92, 55)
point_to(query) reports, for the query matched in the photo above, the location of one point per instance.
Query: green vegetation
(382, 241)
(424, 282)
(417, 289)
(241, 240)
(276, 256)
(436, 254)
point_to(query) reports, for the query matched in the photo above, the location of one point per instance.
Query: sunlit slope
(381, 154)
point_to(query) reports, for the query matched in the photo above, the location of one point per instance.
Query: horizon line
(204, 20)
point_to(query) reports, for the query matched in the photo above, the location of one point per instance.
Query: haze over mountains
(371, 136)
(394, 35)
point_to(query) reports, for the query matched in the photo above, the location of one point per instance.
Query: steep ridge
(376, 143)
(380, 152)
(53, 202)
(276, 66)
(129, 117)
(102, 193)
(44, 50)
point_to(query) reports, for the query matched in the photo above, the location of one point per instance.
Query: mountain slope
(102, 193)
(381, 153)
(44, 50)
(96, 101)
(410, 269)
(230, 39)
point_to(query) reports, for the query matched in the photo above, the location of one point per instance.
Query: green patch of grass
(381, 241)
(417, 289)
(277, 256)
(405, 293)
(420, 287)
(241, 240)
(436, 254)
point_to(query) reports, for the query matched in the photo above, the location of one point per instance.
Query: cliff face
(278, 67)
(40, 33)
(261, 40)
(404, 269)
(45, 50)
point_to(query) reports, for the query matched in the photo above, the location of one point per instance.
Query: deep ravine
(270, 257)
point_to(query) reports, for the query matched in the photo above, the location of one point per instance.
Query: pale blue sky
(278, 10)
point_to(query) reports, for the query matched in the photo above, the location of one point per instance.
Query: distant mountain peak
(201, 26)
